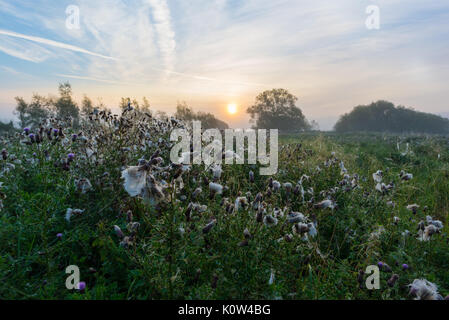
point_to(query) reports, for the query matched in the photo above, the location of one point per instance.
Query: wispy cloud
(22, 54)
(53, 43)
(10, 70)
(164, 30)
(72, 76)
(210, 52)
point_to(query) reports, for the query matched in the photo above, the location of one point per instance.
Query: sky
(210, 53)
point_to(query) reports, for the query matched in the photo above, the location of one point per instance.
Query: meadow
(104, 196)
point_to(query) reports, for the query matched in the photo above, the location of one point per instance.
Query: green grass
(163, 264)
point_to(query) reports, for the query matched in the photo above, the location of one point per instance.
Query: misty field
(338, 204)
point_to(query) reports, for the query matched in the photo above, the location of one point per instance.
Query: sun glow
(232, 108)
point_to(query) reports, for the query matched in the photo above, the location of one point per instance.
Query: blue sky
(210, 53)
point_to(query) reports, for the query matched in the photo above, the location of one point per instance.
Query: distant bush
(41, 108)
(383, 116)
(208, 120)
(32, 113)
(6, 127)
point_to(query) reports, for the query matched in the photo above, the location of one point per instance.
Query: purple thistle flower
(405, 266)
(26, 130)
(380, 264)
(59, 236)
(71, 156)
(81, 286)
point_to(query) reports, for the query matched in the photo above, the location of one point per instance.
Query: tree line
(272, 109)
(384, 116)
(32, 113)
(208, 120)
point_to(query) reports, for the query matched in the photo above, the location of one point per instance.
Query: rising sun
(232, 108)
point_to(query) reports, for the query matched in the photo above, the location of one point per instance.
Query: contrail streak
(73, 76)
(81, 50)
(53, 43)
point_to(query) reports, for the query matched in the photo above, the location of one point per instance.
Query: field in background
(173, 258)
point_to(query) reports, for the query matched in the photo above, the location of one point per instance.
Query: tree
(383, 116)
(135, 104)
(208, 120)
(64, 106)
(314, 125)
(276, 109)
(31, 114)
(21, 111)
(124, 103)
(145, 107)
(87, 106)
(184, 112)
